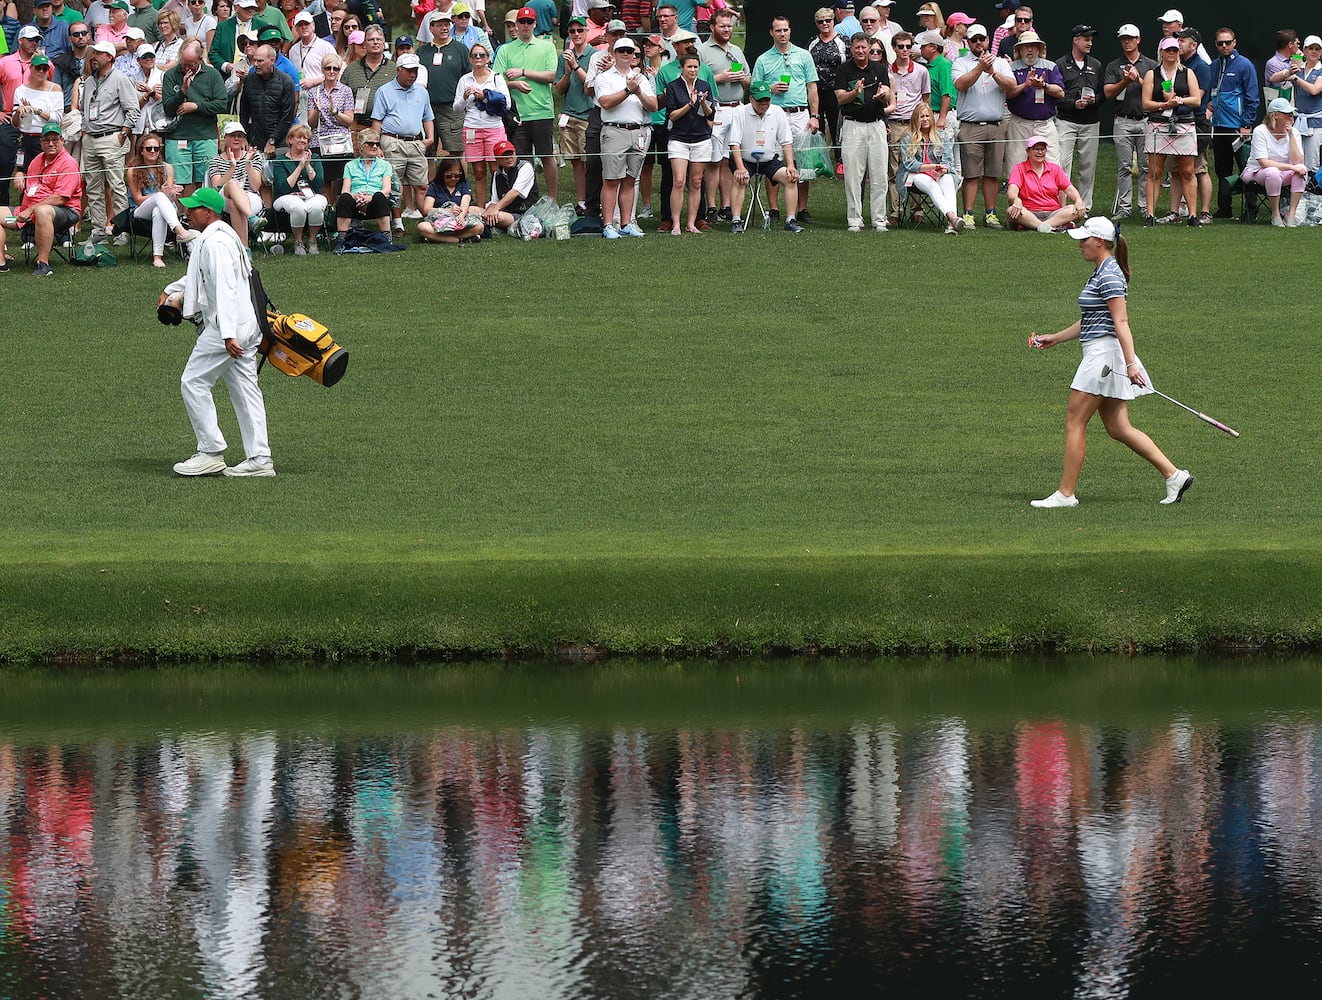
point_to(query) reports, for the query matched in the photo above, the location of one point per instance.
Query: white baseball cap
(1129, 31)
(976, 31)
(234, 127)
(928, 38)
(1171, 15)
(105, 48)
(1312, 40)
(1099, 226)
(135, 33)
(408, 61)
(29, 31)
(303, 16)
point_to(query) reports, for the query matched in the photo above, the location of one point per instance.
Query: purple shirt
(1026, 104)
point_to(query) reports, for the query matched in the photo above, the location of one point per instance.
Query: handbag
(337, 147)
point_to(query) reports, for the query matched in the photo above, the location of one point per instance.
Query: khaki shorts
(408, 158)
(1200, 164)
(449, 127)
(574, 138)
(622, 151)
(981, 149)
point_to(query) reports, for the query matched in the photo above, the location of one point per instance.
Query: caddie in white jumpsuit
(215, 294)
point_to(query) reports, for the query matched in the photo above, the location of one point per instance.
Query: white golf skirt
(1098, 354)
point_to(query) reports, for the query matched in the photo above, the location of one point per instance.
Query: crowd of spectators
(305, 110)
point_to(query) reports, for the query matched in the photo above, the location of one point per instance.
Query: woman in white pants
(928, 164)
(152, 190)
(296, 180)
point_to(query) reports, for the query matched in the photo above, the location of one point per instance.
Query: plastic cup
(1168, 85)
(736, 67)
(785, 78)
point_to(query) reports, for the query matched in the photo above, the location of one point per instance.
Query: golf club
(1108, 370)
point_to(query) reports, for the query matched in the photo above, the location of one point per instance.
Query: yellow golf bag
(299, 345)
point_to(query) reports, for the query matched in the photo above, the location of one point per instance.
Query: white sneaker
(855, 229)
(1292, 222)
(397, 226)
(201, 464)
(252, 467)
(410, 213)
(300, 250)
(1177, 484)
(644, 213)
(881, 227)
(1057, 499)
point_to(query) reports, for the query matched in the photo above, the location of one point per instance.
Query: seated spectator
(928, 164)
(1038, 190)
(296, 182)
(447, 207)
(1276, 159)
(513, 188)
(762, 145)
(237, 173)
(35, 103)
(484, 124)
(365, 190)
(52, 192)
(152, 194)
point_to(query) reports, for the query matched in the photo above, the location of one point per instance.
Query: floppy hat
(1029, 37)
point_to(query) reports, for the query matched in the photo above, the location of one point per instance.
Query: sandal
(157, 262)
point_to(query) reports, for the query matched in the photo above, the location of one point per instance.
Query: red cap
(503, 148)
(526, 12)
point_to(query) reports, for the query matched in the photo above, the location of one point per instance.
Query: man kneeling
(762, 145)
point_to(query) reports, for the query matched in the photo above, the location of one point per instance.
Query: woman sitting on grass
(928, 164)
(1037, 192)
(152, 191)
(447, 206)
(365, 191)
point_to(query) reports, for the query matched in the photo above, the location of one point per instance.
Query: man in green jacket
(196, 93)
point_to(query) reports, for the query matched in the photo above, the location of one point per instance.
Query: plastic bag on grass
(811, 156)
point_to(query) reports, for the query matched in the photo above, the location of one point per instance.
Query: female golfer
(1107, 343)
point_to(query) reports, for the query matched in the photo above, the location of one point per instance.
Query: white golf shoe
(1057, 499)
(201, 464)
(252, 467)
(1176, 485)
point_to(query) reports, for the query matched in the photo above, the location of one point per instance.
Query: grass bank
(669, 445)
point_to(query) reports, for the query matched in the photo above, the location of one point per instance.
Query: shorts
(408, 157)
(534, 138)
(1098, 354)
(720, 134)
(1171, 139)
(1200, 164)
(767, 168)
(982, 149)
(621, 151)
(573, 138)
(657, 139)
(190, 157)
(449, 125)
(480, 144)
(694, 152)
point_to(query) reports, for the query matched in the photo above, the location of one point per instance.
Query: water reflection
(941, 855)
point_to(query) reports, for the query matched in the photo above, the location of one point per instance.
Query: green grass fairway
(672, 445)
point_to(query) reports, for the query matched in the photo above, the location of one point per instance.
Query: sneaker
(712, 216)
(122, 240)
(201, 464)
(339, 245)
(42, 270)
(990, 221)
(187, 236)
(397, 225)
(968, 220)
(1168, 218)
(1177, 484)
(1205, 218)
(1194, 222)
(736, 226)
(855, 229)
(724, 215)
(312, 248)
(631, 230)
(791, 226)
(775, 215)
(1148, 222)
(252, 467)
(410, 213)
(609, 232)
(644, 213)
(959, 224)
(806, 217)
(300, 250)
(1045, 227)
(881, 227)
(1057, 499)
(1278, 222)
(256, 223)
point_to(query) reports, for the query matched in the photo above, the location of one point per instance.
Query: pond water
(1059, 828)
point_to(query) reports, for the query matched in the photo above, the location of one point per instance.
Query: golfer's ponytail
(1121, 251)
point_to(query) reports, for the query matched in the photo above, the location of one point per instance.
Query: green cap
(270, 34)
(760, 90)
(51, 128)
(117, 5)
(40, 60)
(205, 197)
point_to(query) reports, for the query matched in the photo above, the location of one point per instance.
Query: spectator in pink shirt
(1038, 192)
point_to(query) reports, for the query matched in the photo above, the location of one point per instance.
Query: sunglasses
(449, 176)
(79, 34)
(1023, 20)
(824, 20)
(151, 149)
(577, 31)
(478, 55)
(330, 69)
(904, 45)
(524, 20)
(1225, 41)
(371, 142)
(870, 20)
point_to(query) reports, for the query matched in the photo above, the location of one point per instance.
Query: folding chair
(917, 207)
(62, 247)
(756, 182)
(139, 234)
(1254, 204)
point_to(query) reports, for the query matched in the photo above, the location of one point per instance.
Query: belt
(1131, 118)
(631, 128)
(100, 135)
(996, 122)
(795, 110)
(866, 121)
(731, 104)
(403, 138)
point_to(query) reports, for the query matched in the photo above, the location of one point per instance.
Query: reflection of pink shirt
(1039, 194)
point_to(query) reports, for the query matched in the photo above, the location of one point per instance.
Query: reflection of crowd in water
(556, 861)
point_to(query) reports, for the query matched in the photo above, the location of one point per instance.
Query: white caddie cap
(1099, 226)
